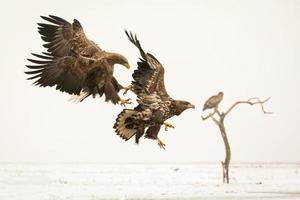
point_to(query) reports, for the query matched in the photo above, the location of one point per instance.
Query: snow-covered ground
(147, 181)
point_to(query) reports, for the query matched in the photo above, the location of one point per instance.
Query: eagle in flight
(213, 101)
(75, 64)
(155, 105)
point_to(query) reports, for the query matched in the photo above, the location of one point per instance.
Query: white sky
(244, 48)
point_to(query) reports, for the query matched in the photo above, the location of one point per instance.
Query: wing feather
(62, 37)
(50, 71)
(149, 76)
(66, 45)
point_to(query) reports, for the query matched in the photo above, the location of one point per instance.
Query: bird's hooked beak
(191, 106)
(127, 65)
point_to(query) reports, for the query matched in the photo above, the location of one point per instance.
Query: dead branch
(209, 115)
(220, 123)
(250, 102)
(215, 120)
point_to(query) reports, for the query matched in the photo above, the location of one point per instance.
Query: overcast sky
(243, 48)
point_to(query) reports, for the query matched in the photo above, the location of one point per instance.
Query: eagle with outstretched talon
(75, 64)
(155, 105)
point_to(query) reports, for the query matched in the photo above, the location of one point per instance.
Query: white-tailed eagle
(155, 105)
(75, 64)
(213, 101)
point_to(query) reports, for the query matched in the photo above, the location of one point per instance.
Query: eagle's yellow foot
(161, 144)
(168, 125)
(124, 102)
(126, 89)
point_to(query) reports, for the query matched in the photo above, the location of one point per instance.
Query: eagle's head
(220, 94)
(180, 106)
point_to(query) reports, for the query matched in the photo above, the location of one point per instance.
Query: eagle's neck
(174, 109)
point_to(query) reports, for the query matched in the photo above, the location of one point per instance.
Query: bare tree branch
(215, 120)
(220, 123)
(209, 115)
(217, 111)
(261, 104)
(250, 102)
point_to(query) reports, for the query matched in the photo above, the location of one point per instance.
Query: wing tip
(55, 19)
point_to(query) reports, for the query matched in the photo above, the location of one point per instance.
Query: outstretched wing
(62, 37)
(59, 71)
(69, 56)
(149, 76)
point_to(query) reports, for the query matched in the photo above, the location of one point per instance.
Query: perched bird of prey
(75, 64)
(155, 105)
(213, 101)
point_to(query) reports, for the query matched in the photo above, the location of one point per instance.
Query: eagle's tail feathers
(124, 125)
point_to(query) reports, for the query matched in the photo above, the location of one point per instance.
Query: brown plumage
(73, 63)
(155, 105)
(213, 101)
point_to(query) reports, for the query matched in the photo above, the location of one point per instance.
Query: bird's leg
(160, 144)
(123, 102)
(168, 125)
(130, 87)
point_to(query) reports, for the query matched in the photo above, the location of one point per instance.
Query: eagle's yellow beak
(127, 65)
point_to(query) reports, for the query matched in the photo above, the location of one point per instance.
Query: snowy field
(147, 181)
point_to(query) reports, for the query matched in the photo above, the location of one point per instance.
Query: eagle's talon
(124, 102)
(161, 144)
(168, 125)
(126, 89)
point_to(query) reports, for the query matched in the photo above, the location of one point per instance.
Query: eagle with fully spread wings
(155, 105)
(75, 64)
(213, 101)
